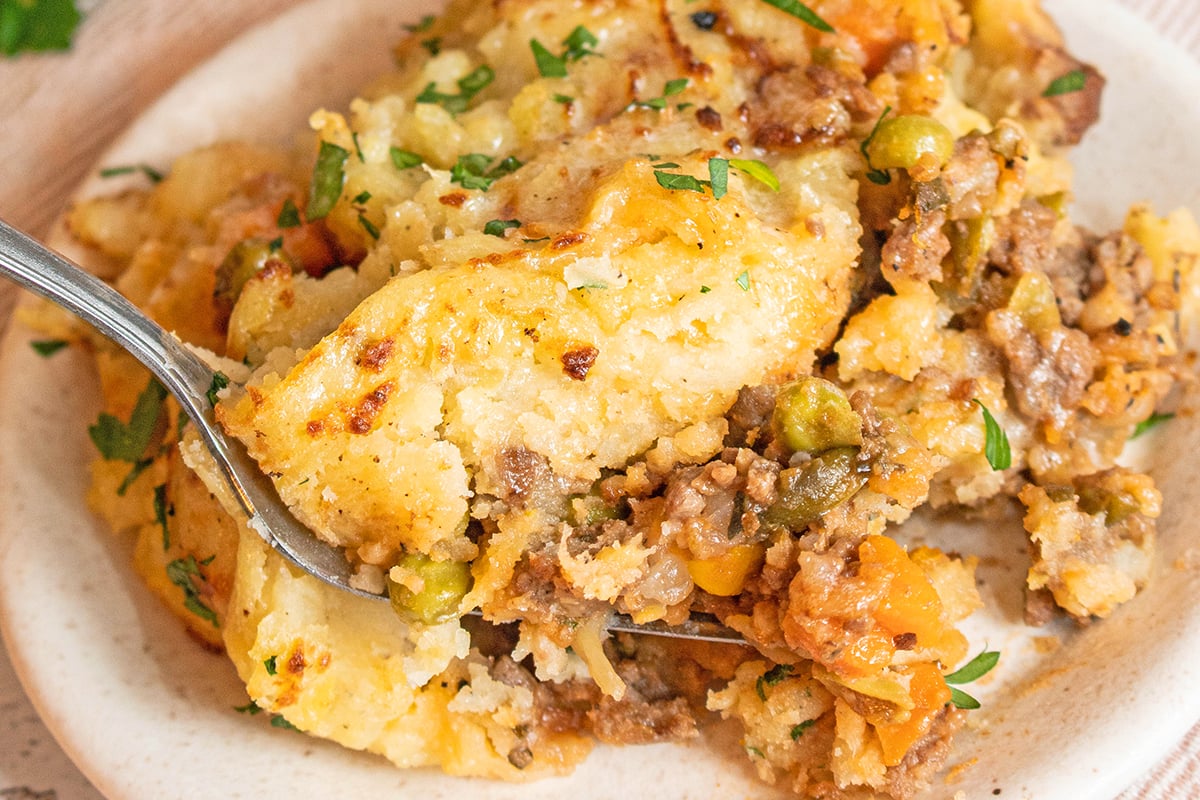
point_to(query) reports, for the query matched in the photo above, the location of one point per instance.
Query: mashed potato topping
(666, 309)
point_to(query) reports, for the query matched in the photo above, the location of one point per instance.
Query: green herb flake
(1153, 421)
(432, 45)
(705, 289)
(219, 381)
(802, 13)
(961, 699)
(565, 99)
(404, 159)
(361, 198)
(757, 170)
(250, 709)
(328, 177)
(183, 572)
(368, 226)
(718, 177)
(879, 177)
(497, 227)
(37, 25)
(975, 669)
(468, 86)
(754, 751)
(471, 171)
(677, 182)
(48, 347)
(548, 64)
(743, 280)
(798, 730)
(422, 25)
(579, 43)
(275, 244)
(128, 169)
(270, 665)
(995, 447)
(670, 88)
(161, 512)
(771, 677)
(129, 441)
(289, 215)
(277, 721)
(357, 149)
(1072, 81)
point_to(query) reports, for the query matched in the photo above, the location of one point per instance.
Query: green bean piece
(445, 585)
(813, 415)
(903, 142)
(243, 261)
(808, 491)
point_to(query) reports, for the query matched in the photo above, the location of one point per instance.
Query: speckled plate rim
(147, 714)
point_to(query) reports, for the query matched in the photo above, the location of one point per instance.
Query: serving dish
(98, 655)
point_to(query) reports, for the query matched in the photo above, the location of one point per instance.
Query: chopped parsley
(128, 169)
(48, 347)
(1067, 83)
(183, 572)
(1152, 421)
(802, 13)
(37, 25)
(289, 215)
(328, 177)
(771, 677)
(670, 89)
(677, 182)
(368, 226)
(565, 99)
(497, 227)
(798, 730)
(404, 159)
(718, 177)
(578, 44)
(471, 171)
(129, 441)
(468, 86)
(361, 198)
(757, 170)
(705, 289)
(278, 721)
(433, 45)
(743, 280)
(422, 25)
(879, 177)
(995, 446)
(161, 512)
(219, 381)
(270, 665)
(973, 670)
(250, 708)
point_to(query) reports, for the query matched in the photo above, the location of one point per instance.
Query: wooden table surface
(57, 113)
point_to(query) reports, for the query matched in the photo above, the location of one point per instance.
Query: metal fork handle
(47, 274)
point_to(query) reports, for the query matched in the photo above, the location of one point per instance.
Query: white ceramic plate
(148, 714)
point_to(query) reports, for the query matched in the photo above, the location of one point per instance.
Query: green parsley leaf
(565, 99)
(579, 43)
(432, 45)
(961, 699)
(422, 25)
(771, 677)
(757, 170)
(250, 708)
(497, 227)
(718, 176)
(798, 730)
(471, 171)
(468, 86)
(128, 169)
(802, 13)
(672, 87)
(289, 215)
(270, 664)
(328, 177)
(879, 177)
(974, 669)
(404, 159)
(121, 441)
(219, 381)
(182, 572)
(705, 289)
(1072, 81)
(277, 721)
(357, 149)
(743, 280)
(48, 347)
(548, 64)
(361, 198)
(37, 25)
(995, 447)
(675, 181)
(368, 226)
(161, 513)
(1150, 422)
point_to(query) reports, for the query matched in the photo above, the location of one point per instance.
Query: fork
(185, 375)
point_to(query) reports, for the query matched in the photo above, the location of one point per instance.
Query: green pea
(806, 492)
(903, 142)
(243, 261)
(446, 583)
(813, 415)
